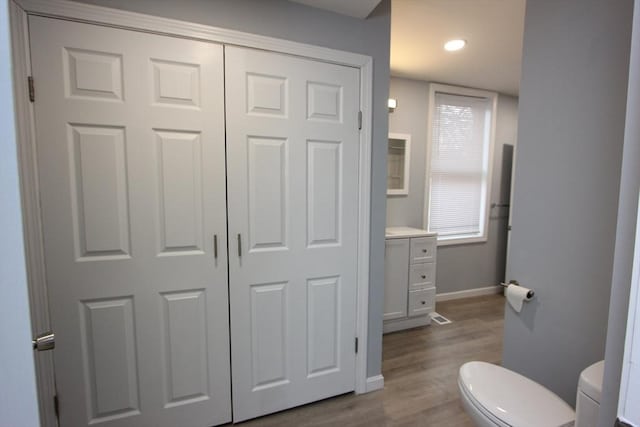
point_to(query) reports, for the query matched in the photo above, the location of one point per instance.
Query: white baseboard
(375, 383)
(405, 323)
(489, 290)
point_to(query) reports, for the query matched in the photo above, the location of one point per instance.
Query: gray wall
(568, 163)
(292, 21)
(625, 233)
(18, 400)
(460, 267)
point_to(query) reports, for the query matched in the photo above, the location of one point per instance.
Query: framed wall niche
(398, 161)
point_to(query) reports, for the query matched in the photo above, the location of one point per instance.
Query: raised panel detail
(99, 192)
(324, 102)
(324, 194)
(185, 341)
(269, 335)
(180, 192)
(109, 356)
(268, 193)
(266, 95)
(91, 74)
(176, 83)
(323, 325)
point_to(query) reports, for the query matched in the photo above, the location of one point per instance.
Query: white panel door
(130, 146)
(292, 150)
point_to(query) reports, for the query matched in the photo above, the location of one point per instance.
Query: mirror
(398, 159)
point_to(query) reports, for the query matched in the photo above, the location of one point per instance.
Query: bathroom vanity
(410, 278)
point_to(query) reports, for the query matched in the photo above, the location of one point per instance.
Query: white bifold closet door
(292, 171)
(131, 164)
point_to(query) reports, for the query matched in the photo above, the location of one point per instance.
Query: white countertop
(404, 232)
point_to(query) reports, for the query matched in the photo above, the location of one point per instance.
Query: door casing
(19, 11)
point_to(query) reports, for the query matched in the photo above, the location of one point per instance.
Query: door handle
(215, 246)
(239, 245)
(44, 342)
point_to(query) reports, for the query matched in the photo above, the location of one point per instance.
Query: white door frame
(19, 11)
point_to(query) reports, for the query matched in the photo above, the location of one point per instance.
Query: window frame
(492, 97)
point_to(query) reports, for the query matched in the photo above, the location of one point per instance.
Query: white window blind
(460, 142)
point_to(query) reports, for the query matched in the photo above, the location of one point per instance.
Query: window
(459, 152)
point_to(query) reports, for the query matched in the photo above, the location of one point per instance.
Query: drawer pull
(423, 302)
(423, 276)
(424, 251)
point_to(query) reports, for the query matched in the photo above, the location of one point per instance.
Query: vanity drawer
(423, 249)
(422, 302)
(422, 275)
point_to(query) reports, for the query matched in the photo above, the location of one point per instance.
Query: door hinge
(56, 406)
(359, 120)
(356, 345)
(32, 90)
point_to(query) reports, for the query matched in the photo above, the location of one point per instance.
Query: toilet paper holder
(530, 294)
(511, 282)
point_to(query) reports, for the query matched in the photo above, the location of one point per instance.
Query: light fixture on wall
(392, 103)
(453, 45)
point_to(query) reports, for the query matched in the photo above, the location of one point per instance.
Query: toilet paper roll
(516, 295)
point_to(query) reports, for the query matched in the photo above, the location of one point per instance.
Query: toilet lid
(513, 398)
(591, 380)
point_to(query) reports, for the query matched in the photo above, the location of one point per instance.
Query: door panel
(185, 353)
(180, 192)
(324, 192)
(323, 327)
(99, 194)
(268, 188)
(292, 147)
(269, 335)
(130, 146)
(110, 363)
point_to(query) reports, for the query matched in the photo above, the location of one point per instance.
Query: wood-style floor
(420, 368)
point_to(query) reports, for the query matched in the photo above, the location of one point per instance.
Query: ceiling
(356, 8)
(419, 28)
(493, 30)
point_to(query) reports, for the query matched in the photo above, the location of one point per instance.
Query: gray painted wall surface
(627, 215)
(18, 400)
(460, 267)
(570, 138)
(292, 21)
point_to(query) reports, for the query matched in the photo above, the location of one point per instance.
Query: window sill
(461, 240)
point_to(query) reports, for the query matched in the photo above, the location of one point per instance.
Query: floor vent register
(439, 319)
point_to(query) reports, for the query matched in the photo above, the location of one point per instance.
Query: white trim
(34, 251)
(630, 366)
(468, 293)
(375, 383)
(460, 240)
(463, 91)
(404, 191)
(154, 24)
(146, 23)
(364, 214)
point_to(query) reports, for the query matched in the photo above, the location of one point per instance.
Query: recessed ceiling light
(453, 45)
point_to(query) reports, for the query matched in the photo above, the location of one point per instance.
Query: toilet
(495, 396)
(589, 393)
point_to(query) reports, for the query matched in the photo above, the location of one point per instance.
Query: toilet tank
(589, 393)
